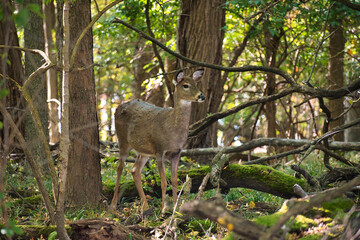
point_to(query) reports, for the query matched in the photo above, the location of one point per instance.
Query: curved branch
(157, 54)
(200, 125)
(349, 4)
(295, 87)
(46, 66)
(277, 71)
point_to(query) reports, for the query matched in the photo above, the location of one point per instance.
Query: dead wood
(298, 206)
(280, 142)
(339, 174)
(217, 212)
(257, 177)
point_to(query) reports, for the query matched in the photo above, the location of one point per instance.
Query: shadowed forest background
(272, 153)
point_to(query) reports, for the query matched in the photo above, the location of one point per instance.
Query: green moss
(338, 205)
(195, 173)
(301, 222)
(266, 174)
(312, 237)
(268, 220)
(33, 200)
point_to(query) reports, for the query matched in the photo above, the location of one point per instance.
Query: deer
(153, 131)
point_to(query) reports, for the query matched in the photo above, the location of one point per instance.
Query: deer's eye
(186, 86)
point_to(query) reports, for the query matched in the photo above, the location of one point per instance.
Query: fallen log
(257, 177)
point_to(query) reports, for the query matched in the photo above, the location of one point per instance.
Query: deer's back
(146, 128)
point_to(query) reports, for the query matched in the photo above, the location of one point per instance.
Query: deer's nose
(201, 97)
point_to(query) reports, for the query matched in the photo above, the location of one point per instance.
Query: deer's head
(186, 86)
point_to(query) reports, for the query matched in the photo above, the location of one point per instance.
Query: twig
(202, 186)
(307, 176)
(174, 210)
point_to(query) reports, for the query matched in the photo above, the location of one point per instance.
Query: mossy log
(257, 177)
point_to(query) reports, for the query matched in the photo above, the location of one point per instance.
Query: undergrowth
(25, 206)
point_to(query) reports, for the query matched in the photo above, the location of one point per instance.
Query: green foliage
(196, 226)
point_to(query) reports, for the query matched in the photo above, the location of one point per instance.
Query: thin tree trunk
(271, 47)
(51, 76)
(65, 135)
(34, 39)
(336, 75)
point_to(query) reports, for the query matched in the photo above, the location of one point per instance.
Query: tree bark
(84, 179)
(336, 75)
(353, 134)
(271, 48)
(34, 39)
(14, 101)
(200, 37)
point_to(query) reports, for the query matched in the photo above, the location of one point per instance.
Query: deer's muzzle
(201, 97)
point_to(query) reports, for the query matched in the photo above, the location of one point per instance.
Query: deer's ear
(198, 74)
(179, 77)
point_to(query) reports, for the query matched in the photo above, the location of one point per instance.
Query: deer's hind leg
(136, 173)
(124, 153)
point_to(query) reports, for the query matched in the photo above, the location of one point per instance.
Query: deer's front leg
(174, 174)
(161, 167)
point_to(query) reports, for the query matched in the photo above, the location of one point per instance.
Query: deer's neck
(182, 114)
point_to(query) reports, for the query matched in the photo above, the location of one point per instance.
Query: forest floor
(27, 212)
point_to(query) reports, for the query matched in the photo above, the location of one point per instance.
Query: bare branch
(286, 76)
(217, 212)
(345, 146)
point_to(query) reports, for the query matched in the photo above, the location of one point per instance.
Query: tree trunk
(34, 39)
(200, 37)
(13, 101)
(51, 77)
(84, 179)
(271, 48)
(353, 134)
(336, 75)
